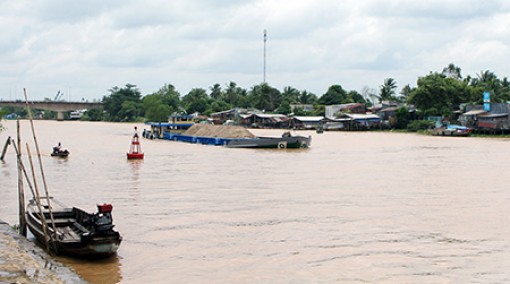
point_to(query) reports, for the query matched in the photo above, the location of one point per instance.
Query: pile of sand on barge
(219, 131)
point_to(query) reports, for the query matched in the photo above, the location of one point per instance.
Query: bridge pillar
(60, 115)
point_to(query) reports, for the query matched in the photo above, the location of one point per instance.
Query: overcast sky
(84, 48)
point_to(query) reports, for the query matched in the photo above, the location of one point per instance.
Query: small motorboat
(59, 152)
(72, 231)
(62, 153)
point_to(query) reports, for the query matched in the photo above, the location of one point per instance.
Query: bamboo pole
(21, 189)
(38, 202)
(24, 170)
(40, 163)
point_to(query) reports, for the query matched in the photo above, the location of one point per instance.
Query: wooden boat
(286, 141)
(61, 154)
(72, 231)
(135, 150)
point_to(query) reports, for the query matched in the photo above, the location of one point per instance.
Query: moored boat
(235, 137)
(451, 130)
(286, 141)
(72, 231)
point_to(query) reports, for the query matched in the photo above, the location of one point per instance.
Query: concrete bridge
(60, 107)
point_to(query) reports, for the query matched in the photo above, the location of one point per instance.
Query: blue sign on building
(486, 101)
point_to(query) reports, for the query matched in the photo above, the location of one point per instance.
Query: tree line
(437, 93)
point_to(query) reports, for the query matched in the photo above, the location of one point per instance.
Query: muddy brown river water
(357, 207)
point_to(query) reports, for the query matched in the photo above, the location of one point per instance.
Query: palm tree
(452, 71)
(387, 90)
(215, 91)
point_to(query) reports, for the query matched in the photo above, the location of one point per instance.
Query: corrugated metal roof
(309, 118)
(264, 115)
(475, 112)
(493, 115)
(363, 116)
(245, 116)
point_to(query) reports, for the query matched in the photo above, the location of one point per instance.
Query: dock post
(7, 143)
(21, 189)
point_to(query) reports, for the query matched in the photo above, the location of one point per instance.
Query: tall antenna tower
(265, 39)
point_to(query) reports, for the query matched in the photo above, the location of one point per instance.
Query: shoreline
(22, 261)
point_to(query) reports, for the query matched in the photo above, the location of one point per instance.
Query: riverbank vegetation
(437, 93)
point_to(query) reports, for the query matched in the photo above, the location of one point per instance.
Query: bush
(417, 125)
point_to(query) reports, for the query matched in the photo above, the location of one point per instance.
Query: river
(357, 207)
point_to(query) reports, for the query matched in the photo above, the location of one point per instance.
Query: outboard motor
(103, 219)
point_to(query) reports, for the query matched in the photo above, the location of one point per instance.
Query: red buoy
(135, 151)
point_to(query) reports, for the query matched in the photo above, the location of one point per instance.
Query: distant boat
(59, 152)
(135, 150)
(451, 130)
(286, 141)
(72, 231)
(62, 154)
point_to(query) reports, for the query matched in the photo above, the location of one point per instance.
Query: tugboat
(135, 151)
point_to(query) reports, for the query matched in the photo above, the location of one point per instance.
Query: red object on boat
(135, 151)
(105, 208)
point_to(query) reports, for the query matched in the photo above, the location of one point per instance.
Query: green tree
(170, 96)
(387, 90)
(290, 95)
(307, 98)
(20, 111)
(196, 101)
(93, 115)
(217, 106)
(438, 95)
(265, 97)
(216, 92)
(319, 110)
(123, 104)
(405, 93)
(335, 95)
(161, 104)
(284, 108)
(356, 97)
(403, 117)
(236, 96)
(129, 110)
(487, 81)
(156, 109)
(452, 71)
(299, 111)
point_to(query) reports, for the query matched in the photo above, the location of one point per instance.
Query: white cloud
(86, 49)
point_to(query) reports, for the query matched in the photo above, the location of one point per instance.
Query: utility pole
(265, 39)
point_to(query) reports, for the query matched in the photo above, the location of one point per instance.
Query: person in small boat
(58, 148)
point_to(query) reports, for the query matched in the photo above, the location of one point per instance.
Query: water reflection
(135, 165)
(105, 271)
